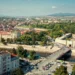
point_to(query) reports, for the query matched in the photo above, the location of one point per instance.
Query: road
(57, 52)
(37, 48)
(50, 59)
(54, 56)
(51, 69)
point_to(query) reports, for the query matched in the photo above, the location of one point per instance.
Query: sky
(35, 7)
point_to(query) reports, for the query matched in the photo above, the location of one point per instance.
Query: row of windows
(5, 58)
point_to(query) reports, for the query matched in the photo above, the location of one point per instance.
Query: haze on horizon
(35, 7)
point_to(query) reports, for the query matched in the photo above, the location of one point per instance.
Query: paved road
(54, 56)
(37, 48)
(50, 59)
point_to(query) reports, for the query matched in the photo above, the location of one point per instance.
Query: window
(4, 58)
(8, 68)
(15, 65)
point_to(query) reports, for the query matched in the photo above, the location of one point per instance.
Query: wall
(66, 42)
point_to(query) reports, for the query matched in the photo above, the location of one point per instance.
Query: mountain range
(55, 14)
(62, 14)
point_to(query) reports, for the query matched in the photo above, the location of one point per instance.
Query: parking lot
(50, 68)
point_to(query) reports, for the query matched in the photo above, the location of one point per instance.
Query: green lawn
(24, 26)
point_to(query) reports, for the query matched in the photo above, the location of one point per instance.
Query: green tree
(26, 38)
(33, 35)
(3, 41)
(17, 72)
(32, 55)
(20, 50)
(14, 51)
(61, 71)
(25, 53)
(9, 40)
(44, 41)
(73, 70)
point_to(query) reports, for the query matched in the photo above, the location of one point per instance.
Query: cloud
(54, 7)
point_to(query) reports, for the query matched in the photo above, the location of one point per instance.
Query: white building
(65, 41)
(8, 63)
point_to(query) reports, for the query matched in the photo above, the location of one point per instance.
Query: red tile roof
(13, 55)
(5, 33)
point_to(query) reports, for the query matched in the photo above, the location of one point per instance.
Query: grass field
(27, 27)
(24, 26)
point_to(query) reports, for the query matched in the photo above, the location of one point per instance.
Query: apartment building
(8, 63)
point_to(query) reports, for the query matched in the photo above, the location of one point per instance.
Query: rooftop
(13, 57)
(3, 52)
(5, 33)
(66, 36)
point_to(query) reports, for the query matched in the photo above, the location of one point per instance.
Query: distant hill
(62, 14)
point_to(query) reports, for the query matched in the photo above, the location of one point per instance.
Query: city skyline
(35, 7)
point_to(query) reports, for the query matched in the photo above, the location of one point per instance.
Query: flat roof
(14, 58)
(3, 52)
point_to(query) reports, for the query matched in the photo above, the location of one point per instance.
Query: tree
(33, 37)
(73, 73)
(17, 72)
(17, 40)
(3, 41)
(73, 70)
(25, 53)
(9, 40)
(44, 41)
(61, 71)
(26, 38)
(40, 35)
(20, 50)
(32, 55)
(14, 51)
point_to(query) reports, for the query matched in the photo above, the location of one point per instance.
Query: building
(64, 40)
(10, 35)
(8, 63)
(68, 35)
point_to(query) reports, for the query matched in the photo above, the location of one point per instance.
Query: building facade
(10, 35)
(8, 63)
